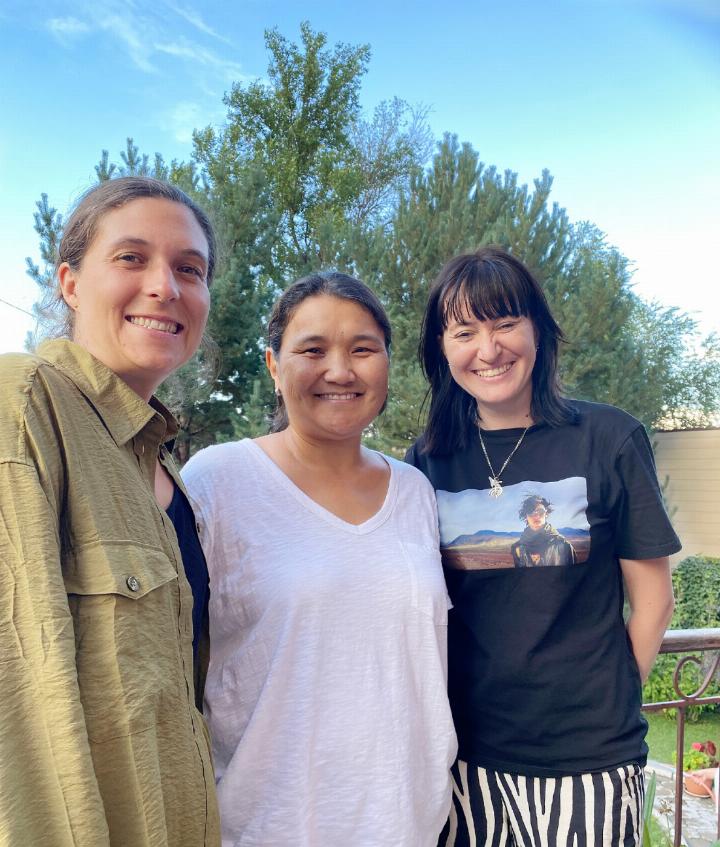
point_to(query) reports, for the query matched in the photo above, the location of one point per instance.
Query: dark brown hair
(492, 284)
(329, 283)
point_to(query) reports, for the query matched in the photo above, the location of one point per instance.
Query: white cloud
(144, 35)
(187, 116)
(195, 19)
(230, 71)
(183, 119)
(126, 28)
(67, 27)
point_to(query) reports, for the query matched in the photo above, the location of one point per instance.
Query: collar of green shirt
(123, 412)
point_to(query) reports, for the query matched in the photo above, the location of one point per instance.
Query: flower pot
(699, 783)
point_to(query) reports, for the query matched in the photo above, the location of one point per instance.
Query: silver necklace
(495, 481)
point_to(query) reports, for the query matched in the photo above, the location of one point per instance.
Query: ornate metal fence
(684, 641)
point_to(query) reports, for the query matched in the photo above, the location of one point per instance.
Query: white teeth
(495, 371)
(151, 323)
(349, 396)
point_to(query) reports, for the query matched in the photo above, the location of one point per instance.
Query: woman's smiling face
(493, 361)
(332, 369)
(140, 296)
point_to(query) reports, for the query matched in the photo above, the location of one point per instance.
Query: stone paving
(699, 813)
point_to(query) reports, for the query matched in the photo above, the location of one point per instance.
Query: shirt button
(133, 583)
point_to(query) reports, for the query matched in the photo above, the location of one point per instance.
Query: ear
(272, 365)
(67, 278)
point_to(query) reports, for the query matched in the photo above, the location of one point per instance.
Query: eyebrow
(471, 321)
(142, 242)
(363, 336)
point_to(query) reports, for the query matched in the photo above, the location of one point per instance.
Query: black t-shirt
(183, 519)
(542, 679)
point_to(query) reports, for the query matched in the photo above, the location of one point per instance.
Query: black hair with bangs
(492, 284)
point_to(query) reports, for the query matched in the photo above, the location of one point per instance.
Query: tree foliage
(298, 179)
(295, 128)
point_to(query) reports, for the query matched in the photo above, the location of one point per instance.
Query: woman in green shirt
(100, 739)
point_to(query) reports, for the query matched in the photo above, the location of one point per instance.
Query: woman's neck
(490, 420)
(329, 456)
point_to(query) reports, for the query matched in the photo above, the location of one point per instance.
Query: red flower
(710, 748)
(696, 745)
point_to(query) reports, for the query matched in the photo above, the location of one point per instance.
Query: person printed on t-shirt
(540, 545)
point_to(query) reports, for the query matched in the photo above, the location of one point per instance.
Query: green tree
(295, 127)
(298, 179)
(48, 224)
(593, 303)
(628, 352)
(681, 385)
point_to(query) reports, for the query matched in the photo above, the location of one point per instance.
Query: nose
(162, 284)
(339, 369)
(487, 348)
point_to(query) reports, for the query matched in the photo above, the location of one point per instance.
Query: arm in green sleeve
(48, 791)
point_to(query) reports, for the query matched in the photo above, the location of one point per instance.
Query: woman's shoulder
(31, 387)
(603, 415)
(408, 475)
(17, 374)
(416, 454)
(217, 456)
(398, 466)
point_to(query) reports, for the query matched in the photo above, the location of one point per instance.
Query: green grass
(662, 729)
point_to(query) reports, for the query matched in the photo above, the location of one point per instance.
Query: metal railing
(683, 641)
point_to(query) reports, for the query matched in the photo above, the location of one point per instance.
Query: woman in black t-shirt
(545, 676)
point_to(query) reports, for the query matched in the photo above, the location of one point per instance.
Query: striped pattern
(493, 809)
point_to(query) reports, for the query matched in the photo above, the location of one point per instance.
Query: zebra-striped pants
(492, 809)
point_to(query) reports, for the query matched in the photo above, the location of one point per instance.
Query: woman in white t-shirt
(326, 692)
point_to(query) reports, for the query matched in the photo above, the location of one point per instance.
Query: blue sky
(620, 100)
(470, 511)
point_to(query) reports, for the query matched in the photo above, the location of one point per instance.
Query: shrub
(700, 755)
(696, 582)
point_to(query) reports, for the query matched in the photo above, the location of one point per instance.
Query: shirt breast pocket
(427, 583)
(125, 603)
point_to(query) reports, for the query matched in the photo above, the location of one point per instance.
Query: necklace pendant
(495, 481)
(495, 487)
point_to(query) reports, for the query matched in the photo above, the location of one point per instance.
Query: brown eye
(192, 271)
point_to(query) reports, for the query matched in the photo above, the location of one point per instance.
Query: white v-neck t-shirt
(326, 692)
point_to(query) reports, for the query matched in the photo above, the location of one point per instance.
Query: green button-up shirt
(100, 740)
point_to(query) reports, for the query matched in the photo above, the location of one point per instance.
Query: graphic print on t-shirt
(533, 524)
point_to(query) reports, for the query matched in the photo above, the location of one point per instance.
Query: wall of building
(688, 463)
